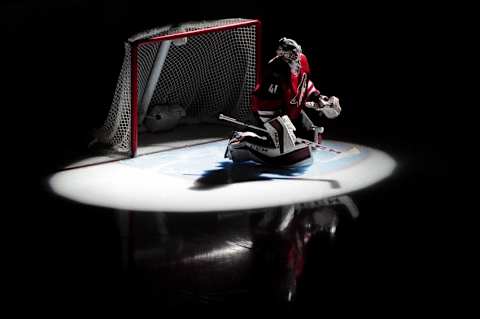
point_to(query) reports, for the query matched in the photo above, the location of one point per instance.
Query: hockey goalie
(280, 101)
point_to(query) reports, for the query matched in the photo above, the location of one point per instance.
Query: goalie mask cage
(206, 67)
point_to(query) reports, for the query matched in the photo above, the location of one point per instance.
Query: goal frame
(134, 65)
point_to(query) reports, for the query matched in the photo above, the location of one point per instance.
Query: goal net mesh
(206, 73)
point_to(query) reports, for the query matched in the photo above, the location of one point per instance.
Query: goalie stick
(232, 120)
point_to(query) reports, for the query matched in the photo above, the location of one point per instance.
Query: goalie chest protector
(281, 89)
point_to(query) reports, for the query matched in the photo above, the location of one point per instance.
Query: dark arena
(172, 157)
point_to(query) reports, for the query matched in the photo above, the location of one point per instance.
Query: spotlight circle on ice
(197, 178)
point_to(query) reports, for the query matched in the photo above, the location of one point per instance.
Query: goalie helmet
(289, 50)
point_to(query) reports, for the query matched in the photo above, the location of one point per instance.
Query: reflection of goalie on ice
(280, 100)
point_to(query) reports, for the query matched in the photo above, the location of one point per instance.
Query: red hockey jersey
(282, 90)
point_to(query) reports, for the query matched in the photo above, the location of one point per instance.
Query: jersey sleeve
(312, 93)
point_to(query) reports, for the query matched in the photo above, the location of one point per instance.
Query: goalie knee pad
(281, 130)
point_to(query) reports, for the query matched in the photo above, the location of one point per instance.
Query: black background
(388, 64)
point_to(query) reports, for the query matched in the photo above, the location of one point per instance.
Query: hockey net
(205, 67)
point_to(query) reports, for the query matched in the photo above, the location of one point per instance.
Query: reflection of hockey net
(207, 68)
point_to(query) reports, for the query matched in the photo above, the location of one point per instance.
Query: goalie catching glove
(329, 106)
